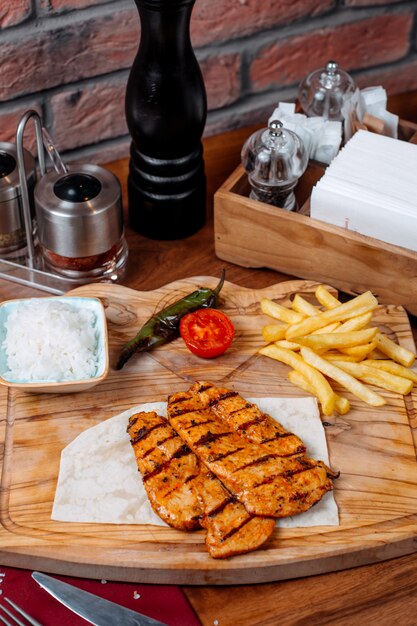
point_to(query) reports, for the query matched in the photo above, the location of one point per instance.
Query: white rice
(50, 341)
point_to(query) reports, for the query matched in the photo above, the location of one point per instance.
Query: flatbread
(99, 481)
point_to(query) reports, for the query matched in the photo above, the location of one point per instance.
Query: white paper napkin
(99, 481)
(321, 138)
(370, 187)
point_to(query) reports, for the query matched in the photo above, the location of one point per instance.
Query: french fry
(327, 329)
(392, 350)
(377, 377)
(342, 405)
(289, 345)
(337, 343)
(338, 340)
(361, 304)
(360, 351)
(325, 393)
(355, 323)
(303, 306)
(392, 368)
(279, 312)
(325, 298)
(274, 332)
(338, 356)
(342, 377)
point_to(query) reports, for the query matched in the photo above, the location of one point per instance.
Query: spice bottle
(80, 221)
(323, 92)
(166, 113)
(274, 159)
(12, 226)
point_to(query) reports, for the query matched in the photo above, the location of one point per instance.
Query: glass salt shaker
(274, 159)
(324, 91)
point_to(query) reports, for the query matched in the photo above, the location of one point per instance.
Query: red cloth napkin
(162, 602)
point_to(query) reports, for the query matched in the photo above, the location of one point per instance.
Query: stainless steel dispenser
(12, 225)
(80, 230)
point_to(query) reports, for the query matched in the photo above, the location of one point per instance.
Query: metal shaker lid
(79, 213)
(9, 171)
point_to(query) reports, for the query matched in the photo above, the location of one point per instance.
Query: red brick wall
(70, 59)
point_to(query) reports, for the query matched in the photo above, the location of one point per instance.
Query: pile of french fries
(336, 342)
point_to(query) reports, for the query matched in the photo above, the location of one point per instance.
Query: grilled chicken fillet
(168, 468)
(183, 495)
(247, 419)
(251, 423)
(231, 530)
(266, 483)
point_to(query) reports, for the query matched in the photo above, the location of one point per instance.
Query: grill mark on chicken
(203, 387)
(139, 435)
(230, 528)
(233, 531)
(209, 437)
(227, 500)
(181, 411)
(222, 396)
(192, 425)
(150, 451)
(247, 406)
(223, 455)
(262, 459)
(286, 474)
(183, 451)
(181, 399)
(264, 483)
(244, 427)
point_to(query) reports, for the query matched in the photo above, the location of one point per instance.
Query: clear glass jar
(274, 159)
(323, 92)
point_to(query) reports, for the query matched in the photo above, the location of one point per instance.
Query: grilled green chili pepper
(164, 326)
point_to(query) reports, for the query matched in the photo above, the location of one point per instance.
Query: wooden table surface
(381, 594)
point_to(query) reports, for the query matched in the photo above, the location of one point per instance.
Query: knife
(92, 608)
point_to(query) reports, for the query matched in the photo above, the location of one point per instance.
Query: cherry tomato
(207, 332)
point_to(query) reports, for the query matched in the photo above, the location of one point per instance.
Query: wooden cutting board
(373, 448)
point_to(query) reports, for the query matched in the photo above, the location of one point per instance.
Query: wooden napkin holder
(254, 234)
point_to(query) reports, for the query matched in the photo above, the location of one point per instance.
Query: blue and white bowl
(58, 386)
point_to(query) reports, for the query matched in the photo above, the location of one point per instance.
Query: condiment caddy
(252, 233)
(62, 228)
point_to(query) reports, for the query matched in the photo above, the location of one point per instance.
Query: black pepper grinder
(166, 111)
